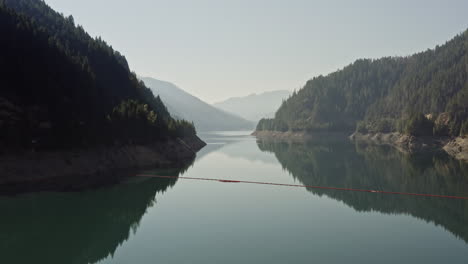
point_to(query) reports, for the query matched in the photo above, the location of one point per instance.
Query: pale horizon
(216, 50)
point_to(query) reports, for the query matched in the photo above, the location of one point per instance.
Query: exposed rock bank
(96, 166)
(405, 143)
(456, 147)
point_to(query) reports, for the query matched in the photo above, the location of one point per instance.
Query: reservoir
(155, 220)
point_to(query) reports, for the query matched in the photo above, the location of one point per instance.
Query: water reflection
(75, 227)
(339, 163)
(237, 145)
(209, 222)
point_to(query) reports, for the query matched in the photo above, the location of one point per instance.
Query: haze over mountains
(255, 106)
(183, 105)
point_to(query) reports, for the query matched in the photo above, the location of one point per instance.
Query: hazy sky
(217, 49)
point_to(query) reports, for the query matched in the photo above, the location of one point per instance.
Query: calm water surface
(184, 221)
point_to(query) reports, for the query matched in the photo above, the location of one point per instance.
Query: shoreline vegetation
(73, 114)
(416, 103)
(456, 147)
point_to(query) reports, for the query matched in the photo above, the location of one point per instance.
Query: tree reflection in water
(77, 227)
(340, 163)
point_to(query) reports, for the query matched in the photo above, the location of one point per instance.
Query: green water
(185, 221)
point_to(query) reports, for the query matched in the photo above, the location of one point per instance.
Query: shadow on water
(340, 163)
(80, 227)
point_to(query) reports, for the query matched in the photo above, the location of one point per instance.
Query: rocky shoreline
(405, 143)
(80, 169)
(455, 147)
(458, 148)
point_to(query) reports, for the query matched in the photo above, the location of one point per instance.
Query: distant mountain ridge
(183, 105)
(255, 106)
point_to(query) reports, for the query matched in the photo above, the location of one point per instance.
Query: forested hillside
(422, 94)
(61, 88)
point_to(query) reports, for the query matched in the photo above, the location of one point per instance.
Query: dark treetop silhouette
(62, 88)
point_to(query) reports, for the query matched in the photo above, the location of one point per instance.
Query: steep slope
(75, 117)
(255, 106)
(387, 94)
(184, 105)
(61, 88)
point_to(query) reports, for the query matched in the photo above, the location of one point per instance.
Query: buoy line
(304, 186)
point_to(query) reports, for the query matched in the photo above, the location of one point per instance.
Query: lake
(153, 220)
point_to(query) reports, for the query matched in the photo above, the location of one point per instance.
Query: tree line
(387, 94)
(62, 88)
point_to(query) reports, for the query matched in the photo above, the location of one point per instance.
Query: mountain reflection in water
(212, 222)
(75, 227)
(339, 163)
